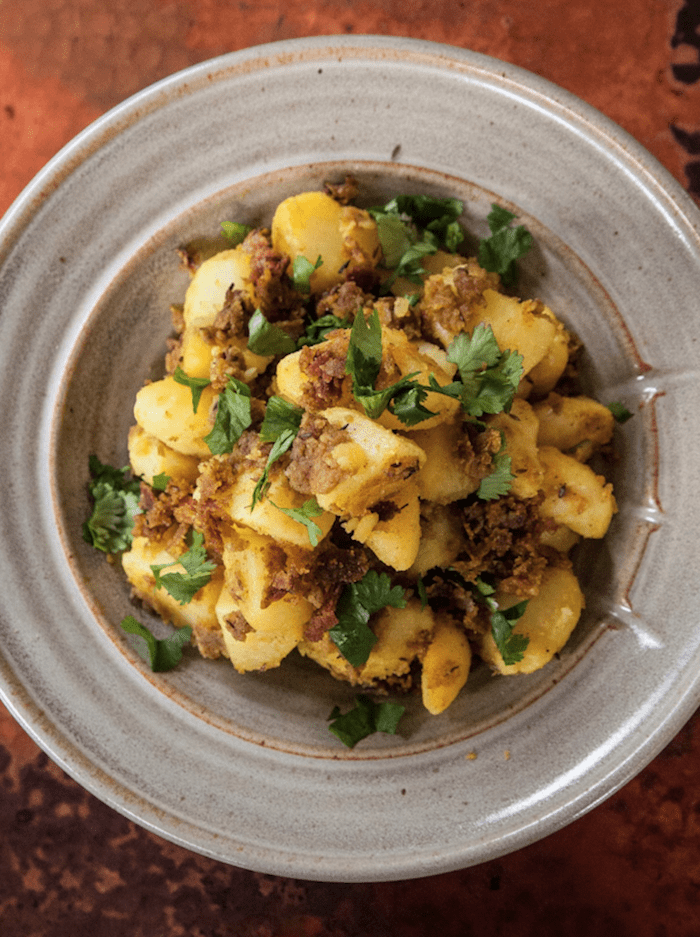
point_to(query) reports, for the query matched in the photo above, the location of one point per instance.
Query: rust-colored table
(69, 866)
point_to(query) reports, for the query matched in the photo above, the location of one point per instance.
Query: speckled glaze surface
(242, 768)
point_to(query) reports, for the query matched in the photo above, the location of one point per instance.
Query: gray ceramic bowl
(243, 768)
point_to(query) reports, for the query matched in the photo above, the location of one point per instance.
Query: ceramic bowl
(243, 768)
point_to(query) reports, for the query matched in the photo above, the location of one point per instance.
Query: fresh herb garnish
(421, 592)
(317, 330)
(620, 412)
(233, 416)
(195, 384)
(489, 377)
(499, 252)
(511, 646)
(266, 338)
(162, 653)
(280, 427)
(305, 515)
(498, 483)
(366, 718)
(116, 498)
(358, 602)
(235, 232)
(301, 272)
(198, 570)
(160, 482)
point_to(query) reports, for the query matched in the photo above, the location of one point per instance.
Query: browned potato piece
(446, 666)
(577, 425)
(574, 495)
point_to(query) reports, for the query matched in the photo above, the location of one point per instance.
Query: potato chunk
(252, 650)
(164, 410)
(577, 425)
(445, 666)
(394, 541)
(445, 476)
(149, 457)
(520, 430)
(549, 619)
(313, 225)
(206, 293)
(574, 495)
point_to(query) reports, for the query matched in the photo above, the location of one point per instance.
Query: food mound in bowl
(365, 448)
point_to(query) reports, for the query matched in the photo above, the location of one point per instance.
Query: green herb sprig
(116, 504)
(364, 719)
(161, 653)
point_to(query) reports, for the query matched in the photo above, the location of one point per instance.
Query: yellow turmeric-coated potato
(574, 495)
(576, 425)
(549, 619)
(442, 538)
(196, 353)
(253, 650)
(395, 541)
(250, 561)
(206, 293)
(444, 477)
(313, 225)
(545, 374)
(137, 562)
(518, 325)
(164, 410)
(446, 666)
(149, 457)
(375, 462)
(519, 428)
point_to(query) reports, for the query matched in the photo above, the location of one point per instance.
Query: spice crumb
(470, 756)
(506, 754)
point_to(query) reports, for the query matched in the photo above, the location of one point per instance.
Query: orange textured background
(70, 865)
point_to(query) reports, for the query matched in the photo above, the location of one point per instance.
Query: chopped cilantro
(301, 272)
(233, 416)
(358, 602)
(364, 358)
(498, 483)
(620, 412)
(266, 338)
(280, 415)
(198, 570)
(162, 653)
(160, 482)
(366, 718)
(281, 444)
(305, 515)
(511, 646)
(499, 252)
(317, 330)
(195, 384)
(489, 376)
(421, 592)
(235, 232)
(116, 504)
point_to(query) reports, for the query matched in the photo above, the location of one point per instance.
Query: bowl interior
(122, 342)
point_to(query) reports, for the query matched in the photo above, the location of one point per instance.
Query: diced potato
(442, 538)
(545, 374)
(313, 225)
(206, 293)
(254, 650)
(549, 619)
(375, 462)
(560, 538)
(445, 666)
(402, 635)
(149, 456)
(518, 325)
(266, 517)
(444, 476)
(250, 562)
(199, 612)
(396, 541)
(164, 410)
(520, 430)
(196, 353)
(576, 425)
(574, 495)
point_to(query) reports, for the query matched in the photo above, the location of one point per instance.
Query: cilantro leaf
(364, 358)
(317, 330)
(162, 653)
(421, 592)
(499, 252)
(116, 504)
(266, 338)
(198, 570)
(283, 442)
(301, 272)
(489, 377)
(235, 232)
(305, 515)
(233, 416)
(620, 412)
(499, 482)
(160, 482)
(511, 646)
(358, 602)
(280, 415)
(195, 384)
(366, 718)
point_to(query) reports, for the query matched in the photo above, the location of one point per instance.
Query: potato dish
(366, 450)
